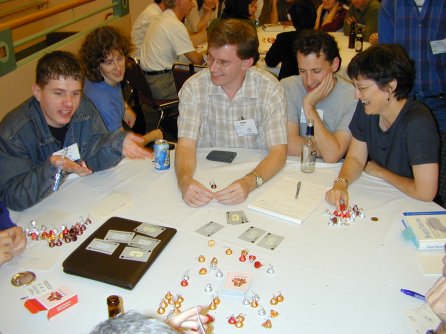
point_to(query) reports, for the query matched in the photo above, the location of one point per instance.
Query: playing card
(270, 241)
(102, 246)
(209, 229)
(119, 236)
(252, 234)
(135, 254)
(149, 229)
(236, 217)
(144, 242)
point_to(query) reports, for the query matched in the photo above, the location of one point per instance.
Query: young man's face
(59, 100)
(226, 68)
(313, 69)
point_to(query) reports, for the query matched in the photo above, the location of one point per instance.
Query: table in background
(334, 280)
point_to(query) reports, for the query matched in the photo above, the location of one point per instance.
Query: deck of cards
(236, 284)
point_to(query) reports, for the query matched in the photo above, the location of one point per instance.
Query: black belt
(156, 72)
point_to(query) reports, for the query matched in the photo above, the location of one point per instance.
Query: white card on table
(252, 234)
(119, 236)
(144, 242)
(149, 229)
(135, 254)
(102, 246)
(209, 229)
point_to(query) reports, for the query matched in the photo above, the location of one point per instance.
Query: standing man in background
(420, 27)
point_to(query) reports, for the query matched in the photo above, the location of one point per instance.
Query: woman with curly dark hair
(103, 55)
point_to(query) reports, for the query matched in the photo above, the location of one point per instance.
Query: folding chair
(141, 93)
(182, 72)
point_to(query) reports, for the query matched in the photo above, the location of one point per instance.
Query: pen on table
(58, 175)
(413, 294)
(297, 190)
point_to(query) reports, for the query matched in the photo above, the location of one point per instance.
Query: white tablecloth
(334, 280)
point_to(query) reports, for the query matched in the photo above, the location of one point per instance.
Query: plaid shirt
(208, 116)
(401, 22)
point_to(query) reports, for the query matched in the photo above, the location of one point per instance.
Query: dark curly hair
(383, 64)
(98, 45)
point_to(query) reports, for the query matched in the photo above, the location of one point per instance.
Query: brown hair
(239, 33)
(58, 64)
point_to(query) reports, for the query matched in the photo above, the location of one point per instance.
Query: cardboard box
(54, 301)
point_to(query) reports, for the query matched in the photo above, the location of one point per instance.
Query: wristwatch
(259, 180)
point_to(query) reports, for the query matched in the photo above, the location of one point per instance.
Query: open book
(279, 200)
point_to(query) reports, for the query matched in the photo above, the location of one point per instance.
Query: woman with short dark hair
(395, 137)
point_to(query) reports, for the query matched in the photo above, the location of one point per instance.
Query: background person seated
(364, 13)
(103, 55)
(303, 15)
(330, 15)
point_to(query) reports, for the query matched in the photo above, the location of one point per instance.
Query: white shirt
(141, 25)
(165, 40)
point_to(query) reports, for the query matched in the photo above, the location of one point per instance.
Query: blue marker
(413, 294)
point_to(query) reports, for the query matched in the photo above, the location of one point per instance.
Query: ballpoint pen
(297, 190)
(413, 294)
(58, 175)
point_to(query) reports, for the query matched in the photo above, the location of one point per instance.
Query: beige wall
(15, 87)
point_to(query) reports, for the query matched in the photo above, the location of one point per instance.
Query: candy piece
(211, 243)
(267, 324)
(203, 271)
(273, 313)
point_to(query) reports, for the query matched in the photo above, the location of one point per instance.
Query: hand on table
(337, 195)
(69, 166)
(131, 147)
(188, 322)
(12, 243)
(194, 193)
(235, 193)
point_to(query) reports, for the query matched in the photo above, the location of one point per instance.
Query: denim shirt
(26, 143)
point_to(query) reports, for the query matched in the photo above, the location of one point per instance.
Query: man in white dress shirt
(142, 23)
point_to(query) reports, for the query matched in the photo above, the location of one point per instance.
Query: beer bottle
(114, 306)
(352, 36)
(359, 40)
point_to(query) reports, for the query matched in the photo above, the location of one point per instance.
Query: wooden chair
(141, 93)
(182, 72)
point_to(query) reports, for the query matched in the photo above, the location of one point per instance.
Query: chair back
(182, 72)
(136, 79)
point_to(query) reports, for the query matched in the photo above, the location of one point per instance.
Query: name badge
(246, 127)
(303, 119)
(438, 46)
(72, 152)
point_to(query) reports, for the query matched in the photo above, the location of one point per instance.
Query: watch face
(259, 181)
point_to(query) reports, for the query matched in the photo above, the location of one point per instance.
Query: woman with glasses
(395, 138)
(103, 55)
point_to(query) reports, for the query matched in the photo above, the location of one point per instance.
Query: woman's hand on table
(194, 193)
(337, 195)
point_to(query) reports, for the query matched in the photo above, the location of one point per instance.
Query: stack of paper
(280, 201)
(427, 230)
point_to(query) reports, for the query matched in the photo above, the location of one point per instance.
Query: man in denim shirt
(57, 116)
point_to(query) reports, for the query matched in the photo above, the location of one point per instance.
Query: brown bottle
(114, 306)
